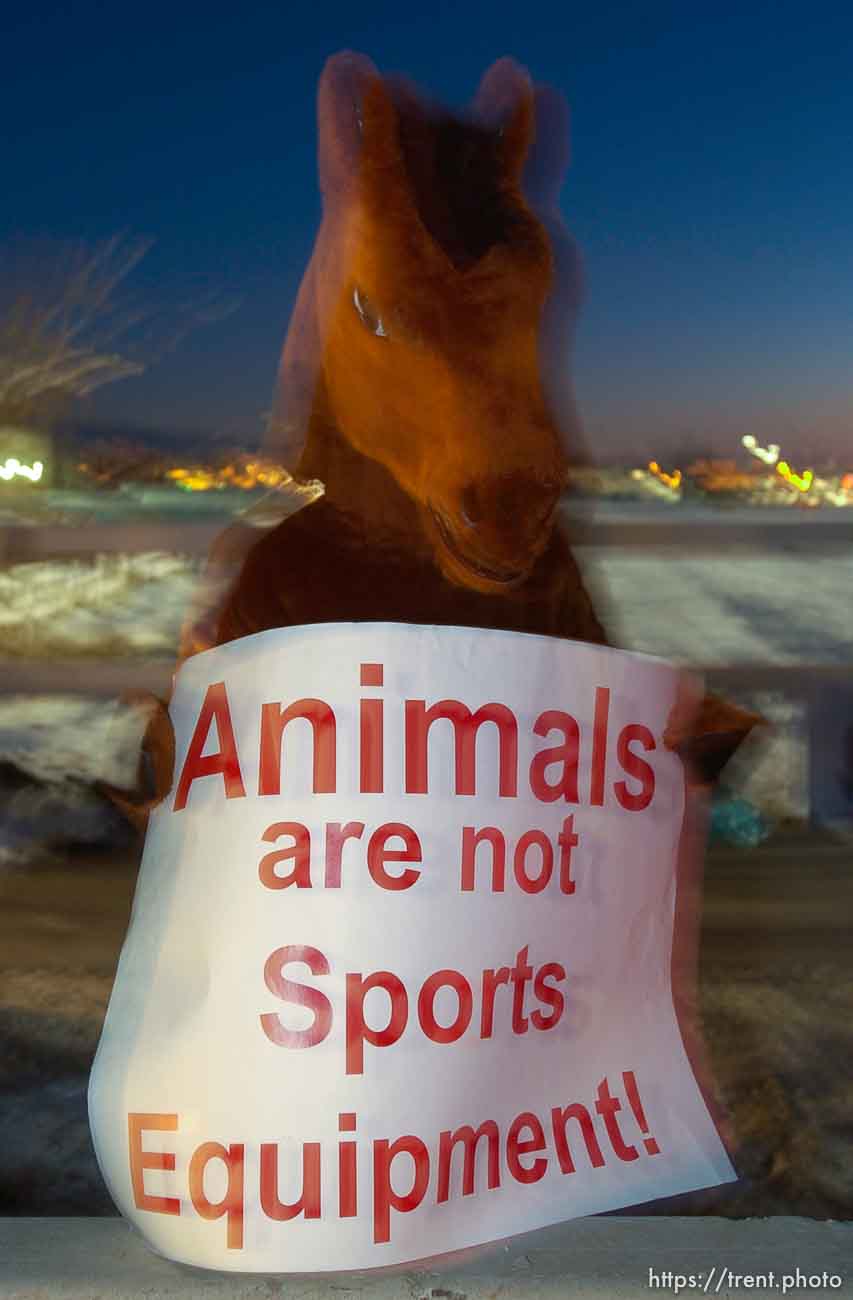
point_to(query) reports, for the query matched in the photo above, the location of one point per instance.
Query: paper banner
(397, 980)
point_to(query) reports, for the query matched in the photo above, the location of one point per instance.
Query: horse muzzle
(472, 563)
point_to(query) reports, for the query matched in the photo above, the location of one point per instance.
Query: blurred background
(160, 204)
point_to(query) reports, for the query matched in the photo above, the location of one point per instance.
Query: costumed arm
(706, 732)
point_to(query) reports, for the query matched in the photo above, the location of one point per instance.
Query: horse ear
(385, 176)
(504, 102)
(548, 157)
(340, 98)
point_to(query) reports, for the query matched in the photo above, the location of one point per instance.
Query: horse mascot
(423, 404)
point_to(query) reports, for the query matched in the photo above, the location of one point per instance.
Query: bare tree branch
(66, 331)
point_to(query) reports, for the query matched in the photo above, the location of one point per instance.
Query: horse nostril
(507, 497)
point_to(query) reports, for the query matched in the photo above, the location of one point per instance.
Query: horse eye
(370, 319)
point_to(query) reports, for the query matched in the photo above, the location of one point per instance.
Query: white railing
(724, 530)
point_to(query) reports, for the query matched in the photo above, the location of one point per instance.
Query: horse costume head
(441, 287)
(423, 399)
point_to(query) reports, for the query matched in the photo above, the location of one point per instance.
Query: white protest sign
(397, 978)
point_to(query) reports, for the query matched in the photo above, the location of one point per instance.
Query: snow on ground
(49, 736)
(52, 749)
(734, 607)
(113, 605)
(730, 608)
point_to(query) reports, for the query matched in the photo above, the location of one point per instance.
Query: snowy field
(731, 608)
(735, 607)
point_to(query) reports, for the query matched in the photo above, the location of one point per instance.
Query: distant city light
(769, 455)
(772, 483)
(672, 480)
(801, 481)
(250, 474)
(14, 469)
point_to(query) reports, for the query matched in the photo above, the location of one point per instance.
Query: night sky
(711, 191)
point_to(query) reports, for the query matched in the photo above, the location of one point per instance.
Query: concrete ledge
(69, 1259)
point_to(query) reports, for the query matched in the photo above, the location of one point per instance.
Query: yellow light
(14, 469)
(800, 481)
(241, 473)
(672, 480)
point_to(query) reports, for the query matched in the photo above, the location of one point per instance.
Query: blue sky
(711, 190)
